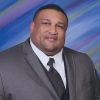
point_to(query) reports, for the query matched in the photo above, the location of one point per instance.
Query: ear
(32, 27)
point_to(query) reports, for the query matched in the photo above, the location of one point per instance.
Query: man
(26, 74)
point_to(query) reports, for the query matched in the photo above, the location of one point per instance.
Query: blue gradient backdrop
(83, 33)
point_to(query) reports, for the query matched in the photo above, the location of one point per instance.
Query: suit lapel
(70, 67)
(36, 66)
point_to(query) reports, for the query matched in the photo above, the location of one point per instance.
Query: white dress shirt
(58, 65)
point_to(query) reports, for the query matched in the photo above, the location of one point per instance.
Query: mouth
(51, 38)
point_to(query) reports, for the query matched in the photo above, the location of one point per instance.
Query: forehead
(51, 14)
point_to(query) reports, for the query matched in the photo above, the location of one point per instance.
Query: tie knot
(50, 62)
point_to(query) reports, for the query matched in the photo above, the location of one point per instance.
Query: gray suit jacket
(23, 78)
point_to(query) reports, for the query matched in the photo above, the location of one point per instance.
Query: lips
(51, 38)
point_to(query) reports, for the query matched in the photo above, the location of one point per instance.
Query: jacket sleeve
(1, 89)
(95, 78)
(97, 85)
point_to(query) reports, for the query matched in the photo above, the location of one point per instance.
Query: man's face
(48, 31)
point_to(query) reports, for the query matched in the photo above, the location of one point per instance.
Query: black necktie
(56, 79)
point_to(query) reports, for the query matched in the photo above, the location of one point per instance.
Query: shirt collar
(58, 57)
(43, 57)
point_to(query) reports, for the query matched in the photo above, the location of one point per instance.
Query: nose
(53, 30)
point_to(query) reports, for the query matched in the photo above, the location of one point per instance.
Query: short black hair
(50, 6)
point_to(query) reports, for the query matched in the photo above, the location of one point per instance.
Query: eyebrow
(45, 19)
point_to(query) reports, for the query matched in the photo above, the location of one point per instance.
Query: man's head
(48, 29)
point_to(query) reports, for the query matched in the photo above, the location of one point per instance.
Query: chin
(51, 52)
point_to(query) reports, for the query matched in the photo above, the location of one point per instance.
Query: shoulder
(71, 52)
(12, 58)
(78, 57)
(11, 51)
(12, 54)
(15, 49)
(82, 63)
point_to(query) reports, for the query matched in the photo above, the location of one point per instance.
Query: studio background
(83, 32)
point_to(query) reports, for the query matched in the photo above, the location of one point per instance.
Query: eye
(60, 26)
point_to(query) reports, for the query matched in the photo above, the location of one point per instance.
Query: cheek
(36, 37)
(38, 34)
(40, 37)
(61, 37)
(42, 34)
